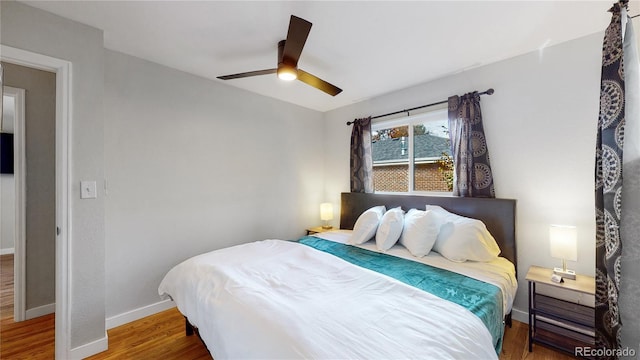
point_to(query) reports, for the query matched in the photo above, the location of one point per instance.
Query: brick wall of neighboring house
(391, 178)
(394, 178)
(429, 178)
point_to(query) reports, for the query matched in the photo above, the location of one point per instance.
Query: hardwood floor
(31, 339)
(6, 286)
(161, 336)
(516, 346)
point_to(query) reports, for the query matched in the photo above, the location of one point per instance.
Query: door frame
(19, 179)
(63, 71)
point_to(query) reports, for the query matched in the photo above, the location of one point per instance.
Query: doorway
(62, 70)
(36, 188)
(12, 198)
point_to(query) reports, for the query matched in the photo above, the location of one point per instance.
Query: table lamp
(564, 245)
(326, 214)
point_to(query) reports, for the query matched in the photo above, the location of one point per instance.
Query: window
(412, 154)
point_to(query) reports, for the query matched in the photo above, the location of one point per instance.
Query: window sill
(424, 193)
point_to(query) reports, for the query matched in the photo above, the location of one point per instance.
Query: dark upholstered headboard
(499, 215)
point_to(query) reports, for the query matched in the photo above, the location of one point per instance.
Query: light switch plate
(88, 190)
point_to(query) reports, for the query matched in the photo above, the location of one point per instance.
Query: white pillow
(420, 231)
(366, 225)
(389, 229)
(462, 238)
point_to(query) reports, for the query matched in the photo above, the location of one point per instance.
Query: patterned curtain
(361, 159)
(609, 192)
(472, 171)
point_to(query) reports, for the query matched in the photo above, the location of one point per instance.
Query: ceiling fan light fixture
(287, 72)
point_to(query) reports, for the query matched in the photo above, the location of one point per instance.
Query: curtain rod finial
(490, 92)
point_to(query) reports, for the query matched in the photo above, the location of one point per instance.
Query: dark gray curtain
(361, 159)
(472, 171)
(608, 179)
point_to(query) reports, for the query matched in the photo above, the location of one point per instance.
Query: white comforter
(279, 299)
(499, 272)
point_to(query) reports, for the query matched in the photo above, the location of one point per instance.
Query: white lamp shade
(564, 242)
(326, 211)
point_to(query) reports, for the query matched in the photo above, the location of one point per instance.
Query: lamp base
(566, 274)
(327, 227)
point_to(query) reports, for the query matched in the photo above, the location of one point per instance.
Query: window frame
(410, 121)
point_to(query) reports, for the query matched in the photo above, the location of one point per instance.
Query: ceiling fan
(289, 51)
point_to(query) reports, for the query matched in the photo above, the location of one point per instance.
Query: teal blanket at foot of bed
(482, 299)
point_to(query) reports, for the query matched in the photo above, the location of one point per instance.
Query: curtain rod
(488, 92)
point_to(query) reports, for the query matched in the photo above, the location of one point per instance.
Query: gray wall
(193, 165)
(7, 213)
(40, 132)
(40, 32)
(541, 129)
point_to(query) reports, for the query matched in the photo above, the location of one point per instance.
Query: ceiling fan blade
(247, 74)
(318, 83)
(296, 37)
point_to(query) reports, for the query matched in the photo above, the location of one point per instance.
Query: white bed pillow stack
(366, 226)
(420, 231)
(455, 237)
(461, 238)
(390, 228)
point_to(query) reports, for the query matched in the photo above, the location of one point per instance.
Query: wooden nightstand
(317, 229)
(558, 323)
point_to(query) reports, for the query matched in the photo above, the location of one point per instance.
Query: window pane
(390, 151)
(433, 167)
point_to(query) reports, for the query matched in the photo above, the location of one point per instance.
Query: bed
(319, 297)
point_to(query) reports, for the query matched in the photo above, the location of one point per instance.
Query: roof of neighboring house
(426, 146)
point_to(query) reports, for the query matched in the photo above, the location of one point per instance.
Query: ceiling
(367, 48)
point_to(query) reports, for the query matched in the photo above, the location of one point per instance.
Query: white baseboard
(101, 345)
(40, 311)
(7, 251)
(92, 348)
(522, 316)
(139, 313)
